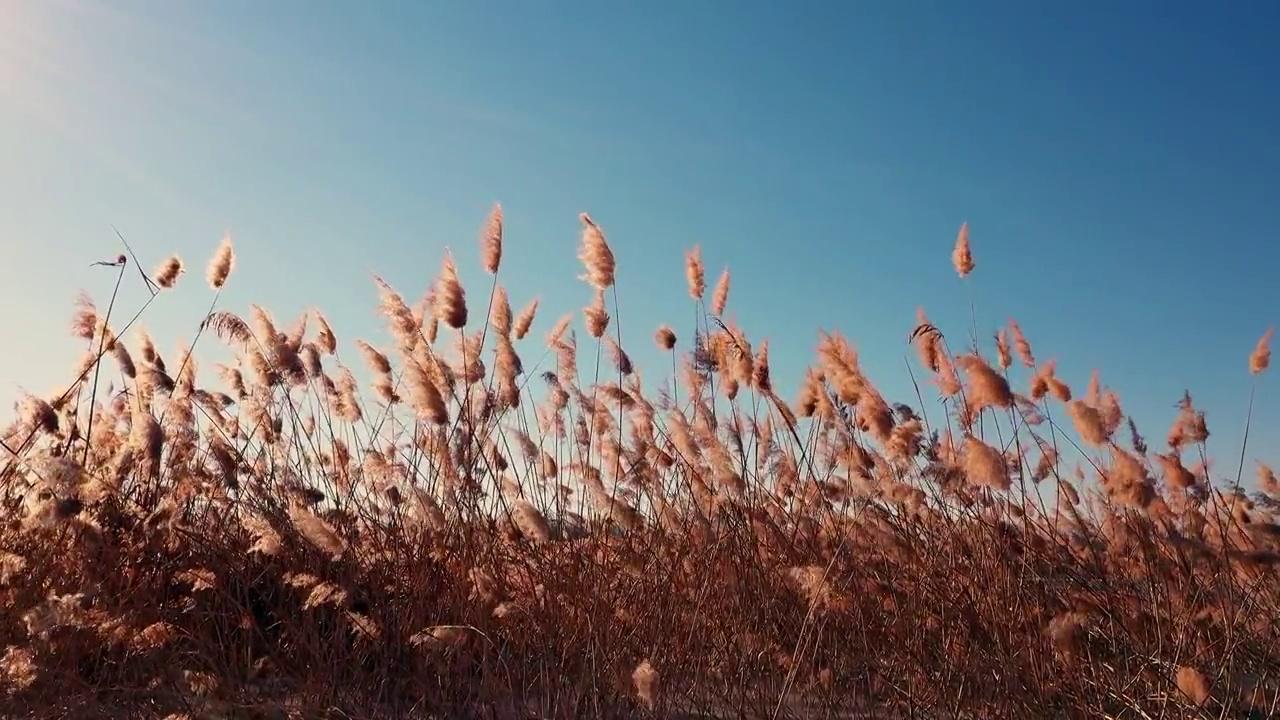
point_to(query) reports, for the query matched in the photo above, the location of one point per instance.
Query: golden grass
(480, 537)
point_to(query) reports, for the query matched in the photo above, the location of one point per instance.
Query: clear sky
(1118, 164)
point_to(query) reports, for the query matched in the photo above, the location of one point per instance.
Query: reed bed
(475, 522)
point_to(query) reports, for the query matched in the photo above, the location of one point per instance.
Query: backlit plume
(665, 337)
(525, 320)
(491, 241)
(1021, 346)
(449, 305)
(962, 256)
(720, 297)
(597, 317)
(695, 273)
(166, 276)
(221, 265)
(1260, 360)
(596, 255)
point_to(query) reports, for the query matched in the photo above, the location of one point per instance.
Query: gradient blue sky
(1118, 164)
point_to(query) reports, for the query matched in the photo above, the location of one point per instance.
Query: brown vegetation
(480, 537)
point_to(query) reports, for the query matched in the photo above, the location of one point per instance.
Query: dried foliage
(497, 538)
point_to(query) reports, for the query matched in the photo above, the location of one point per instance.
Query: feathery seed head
(596, 315)
(222, 264)
(646, 678)
(665, 337)
(166, 275)
(695, 272)
(500, 314)
(1260, 360)
(84, 323)
(962, 255)
(1193, 685)
(720, 297)
(491, 240)
(525, 320)
(1020, 345)
(596, 255)
(449, 303)
(1002, 349)
(987, 388)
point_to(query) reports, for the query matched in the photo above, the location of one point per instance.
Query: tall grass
(471, 536)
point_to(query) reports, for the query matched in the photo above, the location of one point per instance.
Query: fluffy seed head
(1002, 349)
(1020, 345)
(18, 667)
(760, 377)
(1267, 482)
(325, 339)
(646, 681)
(987, 388)
(491, 240)
(695, 273)
(1260, 360)
(665, 337)
(596, 315)
(621, 360)
(962, 256)
(531, 522)
(166, 275)
(1088, 422)
(500, 314)
(317, 532)
(1193, 685)
(84, 324)
(525, 319)
(596, 255)
(425, 395)
(928, 341)
(449, 304)
(984, 465)
(223, 262)
(720, 297)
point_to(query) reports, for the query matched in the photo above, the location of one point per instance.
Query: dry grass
(480, 537)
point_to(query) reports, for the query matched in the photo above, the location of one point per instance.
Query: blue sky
(1119, 168)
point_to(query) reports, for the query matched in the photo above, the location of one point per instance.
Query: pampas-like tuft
(597, 317)
(166, 275)
(596, 255)
(1260, 359)
(646, 680)
(695, 273)
(491, 240)
(449, 305)
(221, 265)
(317, 532)
(525, 320)
(962, 255)
(985, 465)
(720, 298)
